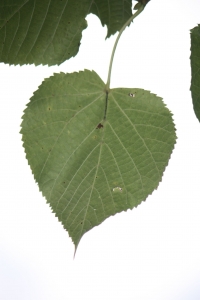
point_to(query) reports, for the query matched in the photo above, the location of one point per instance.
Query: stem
(116, 42)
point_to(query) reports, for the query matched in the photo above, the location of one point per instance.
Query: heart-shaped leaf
(195, 66)
(95, 153)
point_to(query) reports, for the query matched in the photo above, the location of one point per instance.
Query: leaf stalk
(141, 8)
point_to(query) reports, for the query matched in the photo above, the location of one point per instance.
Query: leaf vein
(137, 134)
(27, 28)
(75, 175)
(129, 157)
(39, 29)
(56, 27)
(109, 190)
(63, 130)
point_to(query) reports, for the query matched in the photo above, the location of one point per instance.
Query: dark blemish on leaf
(49, 108)
(69, 22)
(81, 222)
(99, 126)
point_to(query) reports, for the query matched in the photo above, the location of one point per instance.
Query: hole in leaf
(131, 95)
(117, 189)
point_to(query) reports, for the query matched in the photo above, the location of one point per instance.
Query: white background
(149, 253)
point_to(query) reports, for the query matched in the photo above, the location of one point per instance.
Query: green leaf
(49, 32)
(113, 13)
(137, 6)
(41, 32)
(93, 153)
(195, 66)
(143, 2)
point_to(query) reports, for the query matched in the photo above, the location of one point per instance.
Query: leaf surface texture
(113, 13)
(195, 66)
(50, 31)
(93, 153)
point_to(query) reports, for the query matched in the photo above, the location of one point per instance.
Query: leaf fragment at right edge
(195, 66)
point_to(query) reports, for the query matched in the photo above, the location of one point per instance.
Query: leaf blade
(113, 13)
(90, 165)
(49, 31)
(195, 67)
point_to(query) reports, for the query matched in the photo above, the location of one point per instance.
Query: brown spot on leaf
(99, 126)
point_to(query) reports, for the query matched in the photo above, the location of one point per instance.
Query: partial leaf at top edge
(41, 32)
(143, 2)
(195, 66)
(113, 13)
(49, 32)
(93, 153)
